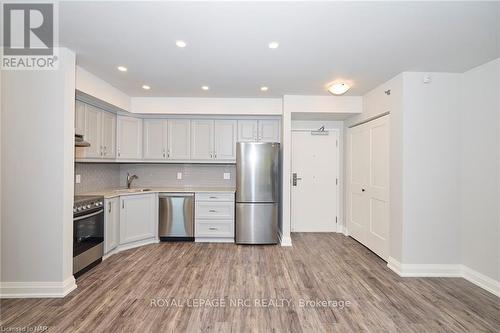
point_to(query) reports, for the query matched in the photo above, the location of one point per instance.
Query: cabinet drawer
(215, 196)
(208, 228)
(215, 210)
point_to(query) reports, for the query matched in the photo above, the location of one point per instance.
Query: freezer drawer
(257, 223)
(176, 216)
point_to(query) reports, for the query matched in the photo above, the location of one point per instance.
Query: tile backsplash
(96, 176)
(101, 176)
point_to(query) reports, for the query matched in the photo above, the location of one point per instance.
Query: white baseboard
(481, 280)
(37, 289)
(284, 241)
(445, 270)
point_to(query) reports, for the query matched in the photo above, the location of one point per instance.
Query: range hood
(80, 142)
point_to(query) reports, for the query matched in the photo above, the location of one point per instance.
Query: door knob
(295, 178)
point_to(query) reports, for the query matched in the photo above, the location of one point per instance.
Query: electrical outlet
(78, 179)
(227, 175)
(179, 175)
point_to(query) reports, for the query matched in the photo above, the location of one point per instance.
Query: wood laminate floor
(119, 295)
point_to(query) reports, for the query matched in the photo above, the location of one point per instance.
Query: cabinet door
(225, 139)
(247, 130)
(129, 138)
(137, 217)
(108, 135)
(155, 139)
(269, 130)
(179, 136)
(79, 118)
(93, 131)
(202, 139)
(111, 223)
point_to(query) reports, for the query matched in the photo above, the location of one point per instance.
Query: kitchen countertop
(116, 192)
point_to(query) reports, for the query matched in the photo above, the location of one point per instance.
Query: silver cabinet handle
(109, 207)
(212, 197)
(88, 215)
(123, 204)
(212, 228)
(215, 155)
(212, 211)
(102, 151)
(211, 155)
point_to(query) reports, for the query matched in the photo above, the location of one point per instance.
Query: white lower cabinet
(111, 224)
(214, 217)
(138, 217)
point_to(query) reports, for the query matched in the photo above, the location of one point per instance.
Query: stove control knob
(88, 206)
(74, 210)
(79, 209)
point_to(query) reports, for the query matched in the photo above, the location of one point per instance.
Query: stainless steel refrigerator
(257, 192)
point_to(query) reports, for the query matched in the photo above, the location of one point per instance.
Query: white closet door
(179, 137)
(225, 140)
(368, 206)
(202, 139)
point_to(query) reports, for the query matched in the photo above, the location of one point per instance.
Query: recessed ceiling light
(205, 87)
(339, 88)
(180, 43)
(264, 88)
(274, 45)
(122, 68)
(146, 87)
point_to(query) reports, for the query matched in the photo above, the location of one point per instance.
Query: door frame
(339, 188)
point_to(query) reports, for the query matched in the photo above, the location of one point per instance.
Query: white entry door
(368, 185)
(315, 193)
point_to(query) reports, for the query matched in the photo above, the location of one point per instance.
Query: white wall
(94, 86)
(327, 105)
(209, 106)
(431, 173)
(480, 169)
(37, 180)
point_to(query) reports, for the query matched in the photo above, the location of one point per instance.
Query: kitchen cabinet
(155, 139)
(202, 139)
(138, 217)
(225, 139)
(111, 224)
(179, 139)
(259, 130)
(214, 217)
(213, 139)
(98, 128)
(129, 138)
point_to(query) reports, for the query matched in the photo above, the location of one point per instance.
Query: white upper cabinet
(93, 132)
(155, 139)
(202, 139)
(129, 138)
(269, 130)
(108, 136)
(247, 130)
(79, 118)
(225, 139)
(179, 137)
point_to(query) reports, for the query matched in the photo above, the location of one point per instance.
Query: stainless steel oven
(88, 233)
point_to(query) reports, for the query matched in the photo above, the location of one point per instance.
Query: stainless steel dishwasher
(176, 216)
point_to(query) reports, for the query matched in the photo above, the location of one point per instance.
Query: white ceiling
(365, 43)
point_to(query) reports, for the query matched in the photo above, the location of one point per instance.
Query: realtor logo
(28, 36)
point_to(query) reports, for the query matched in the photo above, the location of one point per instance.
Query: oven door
(88, 231)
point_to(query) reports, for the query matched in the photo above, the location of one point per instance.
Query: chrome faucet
(130, 178)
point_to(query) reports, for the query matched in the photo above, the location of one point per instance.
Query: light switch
(78, 179)
(179, 175)
(227, 175)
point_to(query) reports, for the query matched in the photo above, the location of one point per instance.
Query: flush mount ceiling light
(146, 87)
(264, 88)
(274, 45)
(339, 88)
(205, 87)
(180, 43)
(122, 68)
